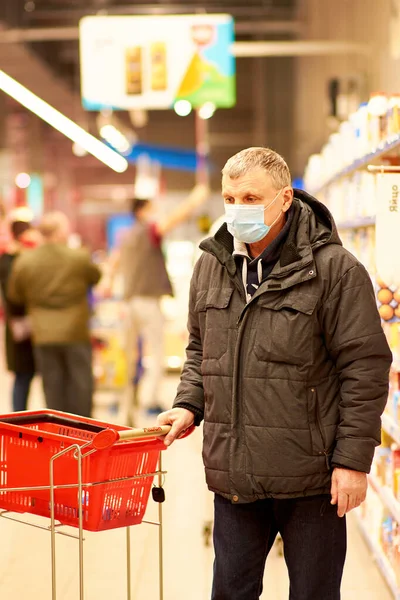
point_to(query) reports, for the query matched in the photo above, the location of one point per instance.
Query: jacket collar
(222, 245)
(312, 227)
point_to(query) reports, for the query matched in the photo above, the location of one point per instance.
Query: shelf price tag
(388, 228)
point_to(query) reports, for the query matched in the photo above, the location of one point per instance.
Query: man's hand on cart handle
(180, 420)
(108, 437)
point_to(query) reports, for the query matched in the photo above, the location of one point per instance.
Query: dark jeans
(67, 376)
(22, 385)
(314, 539)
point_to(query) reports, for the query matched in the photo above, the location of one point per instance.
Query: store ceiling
(38, 12)
(50, 67)
(261, 19)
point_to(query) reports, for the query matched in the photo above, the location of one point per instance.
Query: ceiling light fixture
(64, 125)
(77, 150)
(183, 108)
(23, 180)
(115, 138)
(207, 110)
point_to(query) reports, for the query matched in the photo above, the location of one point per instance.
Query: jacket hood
(313, 226)
(323, 228)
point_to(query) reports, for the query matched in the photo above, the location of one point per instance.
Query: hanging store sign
(152, 62)
(388, 228)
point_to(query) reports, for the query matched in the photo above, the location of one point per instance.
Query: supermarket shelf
(361, 163)
(381, 561)
(359, 223)
(387, 497)
(390, 426)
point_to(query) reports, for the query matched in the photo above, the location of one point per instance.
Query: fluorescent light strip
(64, 125)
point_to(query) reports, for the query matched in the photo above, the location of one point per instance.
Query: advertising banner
(152, 62)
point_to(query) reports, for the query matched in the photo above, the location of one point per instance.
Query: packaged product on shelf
(367, 194)
(396, 297)
(360, 129)
(373, 124)
(387, 534)
(393, 120)
(371, 252)
(392, 331)
(390, 538)
(313, 174)
(382, 461)
(346, 133)
(396, 555)
(336, 147)
(335, 200)
(364, 247)
(396, 471)
(355, 184)
(384, 466)
(352, 197)
(352, 194)
(355, 243)
(327, 163)
(388, 468)
(377, 119)
(372, 513)
(388, 302)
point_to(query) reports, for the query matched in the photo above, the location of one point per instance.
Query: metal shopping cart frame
(101, 441)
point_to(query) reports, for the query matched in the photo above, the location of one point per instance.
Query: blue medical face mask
(246, 223)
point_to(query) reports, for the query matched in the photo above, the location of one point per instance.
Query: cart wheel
(158, 494)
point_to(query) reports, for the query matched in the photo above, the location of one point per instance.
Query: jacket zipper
(236, 388)
(321, 432)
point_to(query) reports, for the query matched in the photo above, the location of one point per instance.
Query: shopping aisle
(25, 552)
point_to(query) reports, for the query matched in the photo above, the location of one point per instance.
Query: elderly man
(288, 365)
(53, 281)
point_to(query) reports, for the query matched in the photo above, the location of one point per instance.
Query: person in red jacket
(18, 344)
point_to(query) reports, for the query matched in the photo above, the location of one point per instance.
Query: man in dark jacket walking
(53, 282)
(288, 365)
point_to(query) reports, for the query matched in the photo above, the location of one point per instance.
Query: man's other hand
(349, 489)
(180, 419)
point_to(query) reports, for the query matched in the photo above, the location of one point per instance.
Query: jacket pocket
(215, 320)
(317, 432)
(285, 328)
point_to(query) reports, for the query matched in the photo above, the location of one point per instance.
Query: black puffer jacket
(19, 355)
(295, 380)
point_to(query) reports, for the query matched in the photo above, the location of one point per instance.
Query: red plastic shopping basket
(28, 441)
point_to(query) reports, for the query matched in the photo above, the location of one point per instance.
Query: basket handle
(108, 437)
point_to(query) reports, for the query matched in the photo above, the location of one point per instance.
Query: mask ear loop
(276, 197)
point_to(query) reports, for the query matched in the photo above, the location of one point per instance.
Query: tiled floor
(25, 552)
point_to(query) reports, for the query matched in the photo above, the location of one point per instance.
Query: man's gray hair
(51, 224)
(253, 158)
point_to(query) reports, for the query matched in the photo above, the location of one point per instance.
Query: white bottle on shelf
(314, 173)
(347, 150)
(393, 120)
(360, 121)
(378, 107)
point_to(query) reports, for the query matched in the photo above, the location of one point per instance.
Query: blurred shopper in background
(18, 343)
(288, 365)
(53, 282)
(145, 278)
